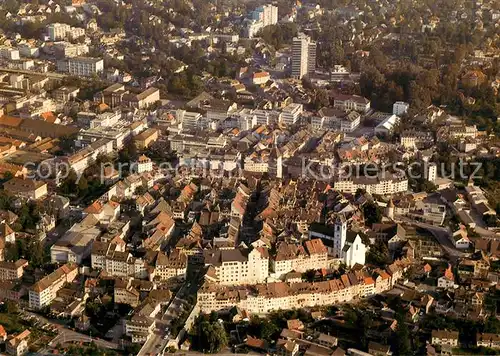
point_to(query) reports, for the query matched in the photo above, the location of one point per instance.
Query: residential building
(144, 164)
(291, 114)
(260, 78)
(383, 185)
(447, 281)
(81, 66)
(351, 102)
(12, 270)
(291, 257)
(58, 31)
(264, 298)
(173, 265)
(268, 14)
(43, 292)
(26, 188)
(237, 266)
(489, 340)
(303, 56)
(444, 337)
(400, 108)
(18, 344)
(125, 293)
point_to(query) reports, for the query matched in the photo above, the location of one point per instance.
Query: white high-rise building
(400, 108)
(303, 56)
(58, 31)
(270, 15)
(432, 172)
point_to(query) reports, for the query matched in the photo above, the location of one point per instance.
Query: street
(157, 342)
(66, 335)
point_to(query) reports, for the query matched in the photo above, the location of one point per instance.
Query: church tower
(390, 210)
(339, 236)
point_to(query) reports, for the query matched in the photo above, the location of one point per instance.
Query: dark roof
(217, 257)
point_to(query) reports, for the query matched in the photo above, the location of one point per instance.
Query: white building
(58, 31)
(43, 292)
(303, 56)
(82, 66)
(11, 54)
(334, 119)
(269, 14)
(400, 108)
(253, 27)
(291, 114)
(386, 127)
(236, 266)
(144, 164)
(347, 245)
(388, 184)
(351, 102)
(188, 120)
(431, 172)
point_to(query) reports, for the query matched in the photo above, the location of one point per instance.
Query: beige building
(444, 337)
(125, 293)
(26, 188)
(146, 138)
(18, 345)
(237, 266)
(291, 257)
(264, 298)
(43, 292)
(12, 270)
(143, 100)
(377, 185)
(488, 340)
(171, 266)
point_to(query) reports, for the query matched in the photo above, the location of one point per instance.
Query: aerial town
(275, 177)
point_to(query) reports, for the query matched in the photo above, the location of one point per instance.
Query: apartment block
(12, 270)
(237, 266)
(291, 257)
(303, 56)
(43, 292)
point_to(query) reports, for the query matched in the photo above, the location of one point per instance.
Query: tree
(378, 254)
(83, 186)
(321, 99)
(35, 253)
(372, 213)
(67, 143)
(401, 342)
(212, 337)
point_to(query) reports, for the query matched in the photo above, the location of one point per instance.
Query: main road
(30, 72)
(66, 335)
